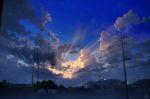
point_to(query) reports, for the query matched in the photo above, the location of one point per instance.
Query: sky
(74, 41)
(90, 16)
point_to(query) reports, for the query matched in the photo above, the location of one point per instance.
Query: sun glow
(65, 73)
(72, 66)
(78, 63)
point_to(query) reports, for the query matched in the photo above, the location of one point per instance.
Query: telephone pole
(33, 63)
(124, 65)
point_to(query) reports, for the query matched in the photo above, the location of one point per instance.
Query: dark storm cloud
(40, 41)
(13, 32)
(18, 48)
(13, 12)
(12, 72)
(44, 55)
(65, 47)
(17, 10)
(68, 47)
(21, 50)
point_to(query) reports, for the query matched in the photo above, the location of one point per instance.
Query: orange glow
(65, 74)
(80, 62)
(72, 66)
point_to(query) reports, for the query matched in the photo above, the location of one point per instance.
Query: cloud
(45, 56)
(16, 41)
(13, 73)
(40, 41)
(45, 17)
(53, 37)
(127, 20)
(21, 42)
(13, 14)
(109, 53)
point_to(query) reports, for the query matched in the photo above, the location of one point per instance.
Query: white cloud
(128, 19)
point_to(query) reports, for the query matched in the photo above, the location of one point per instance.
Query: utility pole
(33, 61)
(38, 72)
(124, 65)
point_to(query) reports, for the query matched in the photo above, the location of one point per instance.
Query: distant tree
(45, 85)
(4, 84)
(61, 87)
(51, 84)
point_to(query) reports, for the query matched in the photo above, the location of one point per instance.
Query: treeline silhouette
(48, 85)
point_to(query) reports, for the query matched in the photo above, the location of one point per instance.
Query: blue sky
(91, 16)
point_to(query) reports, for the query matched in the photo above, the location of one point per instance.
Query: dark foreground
(78, 94)
(111, 89)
